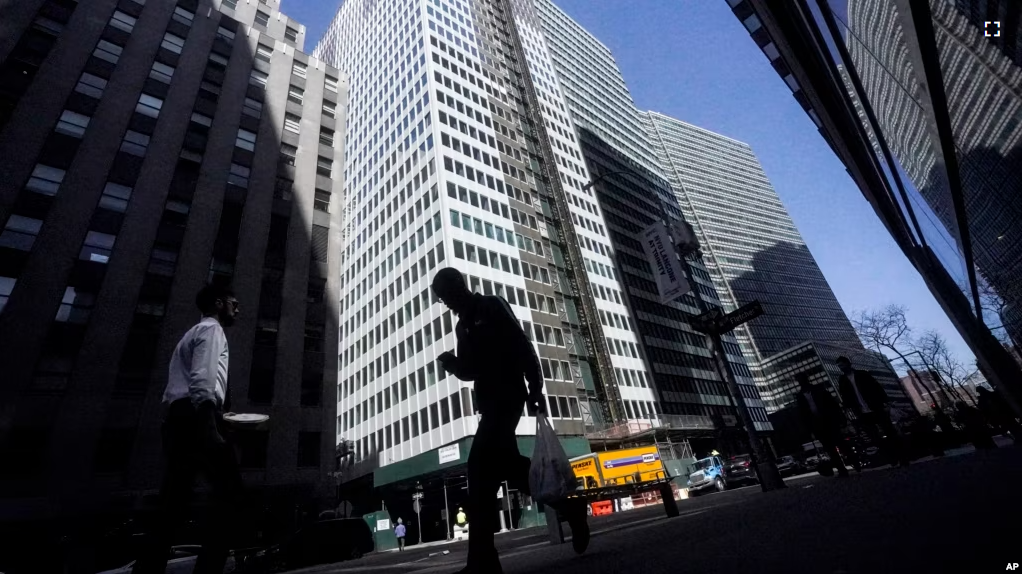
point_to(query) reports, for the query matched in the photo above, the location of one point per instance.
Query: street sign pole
(417, 507)
(770, 478)
(447, 512)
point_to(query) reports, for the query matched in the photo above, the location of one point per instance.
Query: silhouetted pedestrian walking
(822, 414)
(863, 395)
(494, 352)
(997, 412)
(192, 439)
(974, 426)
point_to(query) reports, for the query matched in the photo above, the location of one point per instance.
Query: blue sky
(693, 60)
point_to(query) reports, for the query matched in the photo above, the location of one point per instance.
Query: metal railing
(673, 422)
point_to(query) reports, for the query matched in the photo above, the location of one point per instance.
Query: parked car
(789, 466)
(814, 460)
(739, 470)
(323, 542)
(181, 561)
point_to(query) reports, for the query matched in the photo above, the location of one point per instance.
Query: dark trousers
(829, 438)
(493, 459)
(876, 425)
(190, 453)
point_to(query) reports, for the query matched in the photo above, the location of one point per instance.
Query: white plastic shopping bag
(550, 475)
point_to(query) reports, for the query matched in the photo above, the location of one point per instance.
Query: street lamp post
(770, 478)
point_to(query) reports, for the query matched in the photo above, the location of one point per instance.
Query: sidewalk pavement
(953, 514)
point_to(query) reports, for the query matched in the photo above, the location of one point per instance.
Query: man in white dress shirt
(195, 398)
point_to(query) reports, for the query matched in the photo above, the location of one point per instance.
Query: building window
(288, 154)
(48, 26)
(45, 179)
(239, 175)
(225, 34)
(322, 202)
(330, 83)
(122, 21)
(202, 119)
(324, 166)
(296, 95)
(308, 448)
(108, 51)
(97, 247)
(282, 188)
(173, 42)
(262, 18)
(257, 78)
(20, 232)
(115, 197)
(245, 140)
(320, 250)
(209, 91)
(161, 72)
(232, 4)
(135, 143)
(75, 307)
(219, 61)
(72, 124)
(91, 85)
(252, 108)
(299, 69)
(329, 109)
(6, 287)
(292, 123)
(263, 53)
(149, 106)
(326, 136)
(184, 16)
(291, 34)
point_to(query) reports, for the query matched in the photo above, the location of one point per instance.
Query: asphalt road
(956, 514)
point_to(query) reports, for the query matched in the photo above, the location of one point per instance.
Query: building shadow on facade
(195, 162)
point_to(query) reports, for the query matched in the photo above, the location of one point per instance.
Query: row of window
(513, 295)
(500, 262)
(401, 252)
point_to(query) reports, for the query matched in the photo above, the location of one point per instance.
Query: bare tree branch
(939, 357)
(885, 329)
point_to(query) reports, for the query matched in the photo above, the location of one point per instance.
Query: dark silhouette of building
(148, 148)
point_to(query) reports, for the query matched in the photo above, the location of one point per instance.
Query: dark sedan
(789, 466)
(739, 469)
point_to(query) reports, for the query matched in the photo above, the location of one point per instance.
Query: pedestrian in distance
(974, 426)
(399, 532)
(494, 352)
(822, 414)
(997, 412)
(867, 400)
(193, 436)
(462, 518)
(949, 434)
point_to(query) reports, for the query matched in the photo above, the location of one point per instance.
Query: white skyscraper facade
(460, 152)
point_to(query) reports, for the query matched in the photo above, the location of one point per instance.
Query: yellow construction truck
(618, 467)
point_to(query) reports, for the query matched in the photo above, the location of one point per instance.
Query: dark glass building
(920, 100)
